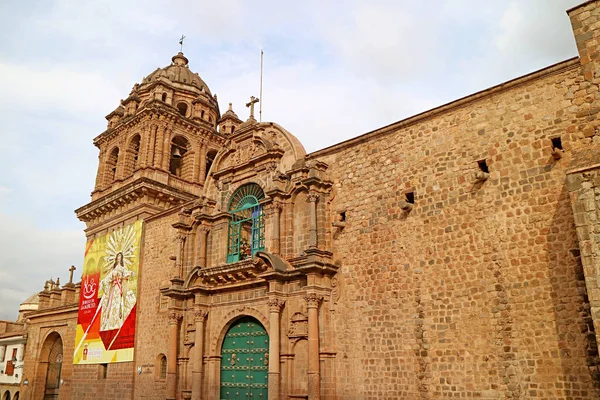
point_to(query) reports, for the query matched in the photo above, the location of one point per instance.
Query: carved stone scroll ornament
(313, 300)
(200, 315)
(174, 317)
(275, 305)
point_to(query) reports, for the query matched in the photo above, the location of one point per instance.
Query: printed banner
(108, 297)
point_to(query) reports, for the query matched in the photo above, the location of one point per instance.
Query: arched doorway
(245, 361)
(55, 359)
(6, 395)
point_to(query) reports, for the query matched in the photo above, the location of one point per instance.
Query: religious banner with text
(108, 296)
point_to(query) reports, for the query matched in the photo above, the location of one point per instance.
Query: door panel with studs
(245, 361)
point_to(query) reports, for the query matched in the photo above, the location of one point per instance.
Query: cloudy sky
(333, 70)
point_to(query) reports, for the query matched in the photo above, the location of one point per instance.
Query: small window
(202, 114)
(164, 97)
(483, 167)
(182, 107)
(102, 371)
(163, 367)
(410, 197)
(557, 143)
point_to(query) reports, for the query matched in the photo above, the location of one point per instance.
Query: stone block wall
(477, 291)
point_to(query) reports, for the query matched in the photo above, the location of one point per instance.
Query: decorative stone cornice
(141, 191)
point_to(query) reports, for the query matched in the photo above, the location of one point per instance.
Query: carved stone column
(312, 200)
(202, 169)
(275, 306)
(100, 174)
(174, 318)
(275, 213)
(314, 379)
(180, 240)
(198, 362)
(143, 150)
(151, 147)
(203, 231)
(166, 149)
(158, 146)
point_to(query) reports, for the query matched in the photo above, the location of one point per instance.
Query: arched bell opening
(180, 164)
(111, 166)
(133, 154)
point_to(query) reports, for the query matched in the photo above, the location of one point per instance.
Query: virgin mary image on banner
(107, 308)
(117, 300)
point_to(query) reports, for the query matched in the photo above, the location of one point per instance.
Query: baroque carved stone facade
(451, 254)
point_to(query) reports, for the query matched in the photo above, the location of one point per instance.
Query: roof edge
(550, 70)
(585, 3)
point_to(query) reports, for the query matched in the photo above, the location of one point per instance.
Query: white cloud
(333, 70)
(30, 256)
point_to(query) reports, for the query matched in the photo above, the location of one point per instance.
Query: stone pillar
(180, 240)
(158, 145)
(202, 169)
(312, 200)
(2, 352)
(275, 306)
(143, 150)
(174, 318)
(100, 174)
(166, 149)
(274, 211)
(121, 161)
(203, 231)
(151, 146)
(198, 361)
(314, 380)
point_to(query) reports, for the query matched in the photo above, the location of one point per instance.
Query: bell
(176, 152)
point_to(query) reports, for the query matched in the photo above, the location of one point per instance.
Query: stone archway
(245, 361)
(52, 356)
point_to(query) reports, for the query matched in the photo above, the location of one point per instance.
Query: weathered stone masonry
(453, 254)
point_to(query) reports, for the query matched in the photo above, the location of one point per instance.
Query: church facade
(451, 254)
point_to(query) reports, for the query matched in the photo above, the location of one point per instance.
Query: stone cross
(71, 273)
(253, 100)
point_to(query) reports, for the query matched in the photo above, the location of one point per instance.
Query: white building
(13, 339)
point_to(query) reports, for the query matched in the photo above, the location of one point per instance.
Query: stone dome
(178, 72)
(31, 304)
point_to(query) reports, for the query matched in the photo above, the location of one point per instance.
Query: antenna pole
(261, 94)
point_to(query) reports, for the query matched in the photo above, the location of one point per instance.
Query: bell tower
(157, 149)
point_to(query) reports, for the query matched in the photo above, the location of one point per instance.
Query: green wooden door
(245, 361)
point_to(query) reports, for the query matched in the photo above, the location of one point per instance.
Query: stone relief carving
(298, 326)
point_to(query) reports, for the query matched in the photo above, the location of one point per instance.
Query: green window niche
(246, 233)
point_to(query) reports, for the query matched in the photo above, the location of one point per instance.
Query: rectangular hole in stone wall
(410, 197)
(556, 143)
(483, 167)
(343, 216)
(102, 371)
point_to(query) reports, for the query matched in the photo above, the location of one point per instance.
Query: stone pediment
(244, 272)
